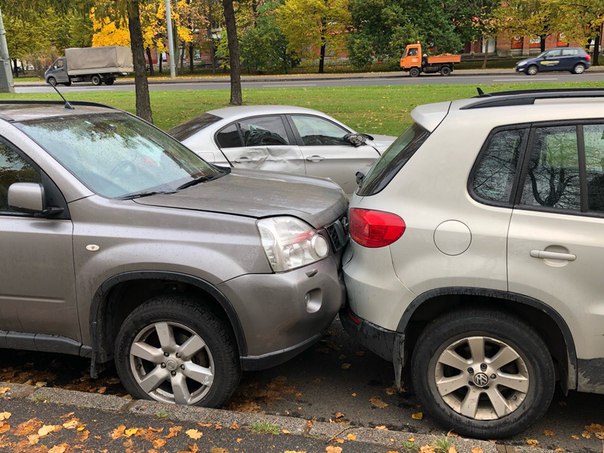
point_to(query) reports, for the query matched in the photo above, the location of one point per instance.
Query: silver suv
(475, 264)
(120, 243)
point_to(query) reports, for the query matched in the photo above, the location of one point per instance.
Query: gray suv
(119, 243)
(475, 264)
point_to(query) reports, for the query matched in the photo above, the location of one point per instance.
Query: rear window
(189, 128)
(395, 158)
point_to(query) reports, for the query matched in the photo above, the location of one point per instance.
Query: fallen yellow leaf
(381, 428)
(596, 429)
(476, 450)
(234, 426)
(33, 439)
(351, 437)
(71, 424)
(332, 449)
(548, 433)
(532, 442)
(47, 429)
(174, 431)
(417, 415)
(4, 390)
(194, 434)
(574, 436)
(58, 449)
(346, 366)
(427, 449)
(452, 449)
(117, 432)
(285, 431)
(4, 416)
(377, 402)
(130, 432)
(411, 439)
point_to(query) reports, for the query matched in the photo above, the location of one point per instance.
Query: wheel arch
(545, 320)
(108, 309)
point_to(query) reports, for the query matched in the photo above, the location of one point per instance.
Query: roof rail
(61, 103)
(528, 97)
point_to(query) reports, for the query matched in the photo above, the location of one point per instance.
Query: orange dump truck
(415, 62)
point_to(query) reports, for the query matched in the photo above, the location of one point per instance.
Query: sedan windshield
(117, 155)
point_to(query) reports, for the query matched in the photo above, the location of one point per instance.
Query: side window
(13, 168)
(552, 178)
(493, 177)
(594, 162)
(315, 131)
(569, 52)
(263, 131)
(229, 137)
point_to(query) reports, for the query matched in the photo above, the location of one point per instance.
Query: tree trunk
(211, 37)
(542, 42)
(150, 60)
(160, 56)
(191, 56)
(486, 52)
(15, 68)
(143, 102)
(231, 27)
(597, 49)
(322, 57)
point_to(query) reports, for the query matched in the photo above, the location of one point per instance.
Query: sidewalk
(63, 421)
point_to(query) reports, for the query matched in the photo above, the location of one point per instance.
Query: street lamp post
(170, 40)
(6, 76)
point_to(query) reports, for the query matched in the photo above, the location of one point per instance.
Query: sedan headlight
(290, 243)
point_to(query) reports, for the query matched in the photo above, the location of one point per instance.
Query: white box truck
(90, 64)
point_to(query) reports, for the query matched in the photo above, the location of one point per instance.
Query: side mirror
(28, 197)
(356, 140)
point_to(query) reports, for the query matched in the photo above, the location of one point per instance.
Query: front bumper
(284, 313)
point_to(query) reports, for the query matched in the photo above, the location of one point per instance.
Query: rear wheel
(483, 373)
(96, 80)
(109, 81)
(532, 70)
(172, 349)
(445, 70)
(579, 68)
(414, 72)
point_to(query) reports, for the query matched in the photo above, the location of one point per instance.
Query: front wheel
(532, 70)
(174, 350)
(484, 374)
(414, 72)
(52, 81)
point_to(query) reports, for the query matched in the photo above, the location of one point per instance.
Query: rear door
(328, 154)
(261, 143)
(556, 234)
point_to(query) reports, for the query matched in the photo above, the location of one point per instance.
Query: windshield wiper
(132, 196)
(198, 180)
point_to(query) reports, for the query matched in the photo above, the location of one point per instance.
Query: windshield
(393, 159)
(185, 130)
(118, 155)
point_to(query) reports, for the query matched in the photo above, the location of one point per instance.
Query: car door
(556, 234)
(260, 143)
(552, 61)
(37, 278)
(328, 154)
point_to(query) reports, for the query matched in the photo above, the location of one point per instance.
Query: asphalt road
(387, 79)
(334, 380)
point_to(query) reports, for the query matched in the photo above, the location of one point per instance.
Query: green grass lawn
(373, 109)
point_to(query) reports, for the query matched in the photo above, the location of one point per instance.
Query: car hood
(525, 61)
(259, 194)
(381, 142)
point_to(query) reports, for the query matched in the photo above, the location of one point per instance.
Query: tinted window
(263, 131)
(570, 52)
(493, 177)
(13, 168)
(552, 178)
(315, 131)
(189, 128)
(229, 137)
(594, 161)
(395, 158)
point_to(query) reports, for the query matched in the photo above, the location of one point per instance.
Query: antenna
(67, 104)
(480, 92)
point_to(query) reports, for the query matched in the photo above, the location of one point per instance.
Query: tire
(445, 71)
(96, 80)
(532, 70)
(52, 81)
(67, 84)
(443, 353)
(579, 68)
(109, 81)
(414, 72)
(160, 371)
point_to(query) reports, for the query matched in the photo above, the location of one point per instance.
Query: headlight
(290, 243)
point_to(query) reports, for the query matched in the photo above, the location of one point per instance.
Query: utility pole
(170, 40)
(6, 76)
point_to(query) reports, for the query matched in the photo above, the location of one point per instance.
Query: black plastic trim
(42, 342)
(99, 300)
(263, 362)
(528, 97)
(510, 296)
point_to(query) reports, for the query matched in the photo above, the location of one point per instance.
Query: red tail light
(375, 229)
(588, 57)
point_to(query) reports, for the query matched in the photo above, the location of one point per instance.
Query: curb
(288, 425)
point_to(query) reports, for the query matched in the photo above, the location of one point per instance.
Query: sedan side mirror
(356, 140)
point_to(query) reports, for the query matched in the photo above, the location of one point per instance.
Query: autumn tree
(311, 25)
(527, 17)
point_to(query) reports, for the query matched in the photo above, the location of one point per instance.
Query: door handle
(315, 158)
(545, 255)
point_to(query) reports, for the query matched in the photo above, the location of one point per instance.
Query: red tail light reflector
(588, 57)
(374, 229)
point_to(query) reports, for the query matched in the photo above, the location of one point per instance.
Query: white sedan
(282, 138)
